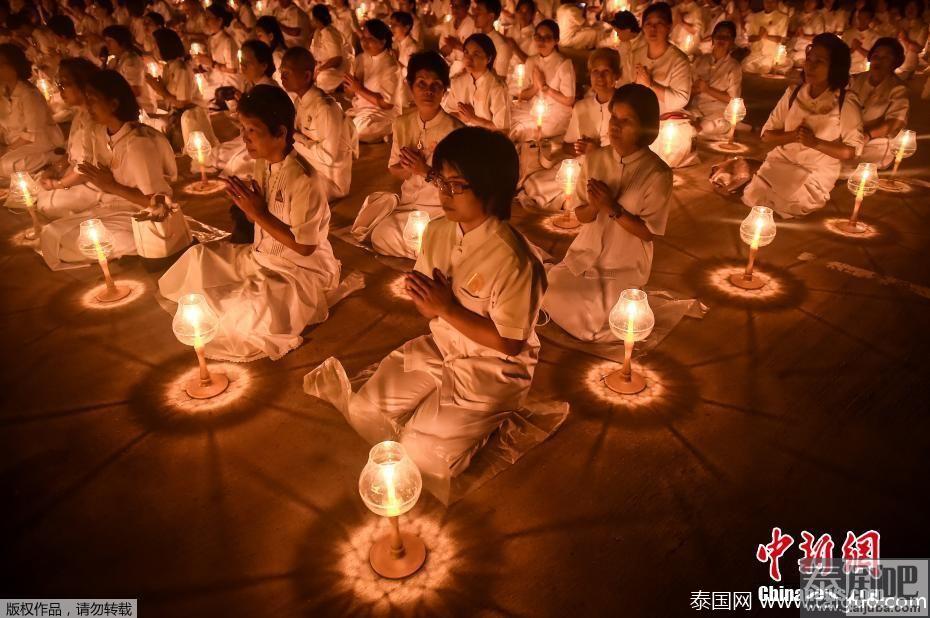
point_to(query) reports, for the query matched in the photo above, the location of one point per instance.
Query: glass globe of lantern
(758, 228)
(25, 187)
(518, 75)
(567, 175)
(540, 109)
(95, 241)
(198, 146)
(632, 319)
(390, 482)
(864, 181)
(414, 230)
(194, 323)
(905, 144)
(736, 110)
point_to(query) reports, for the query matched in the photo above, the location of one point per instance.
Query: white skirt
(264, 301)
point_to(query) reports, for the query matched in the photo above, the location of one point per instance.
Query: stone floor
(804, 408)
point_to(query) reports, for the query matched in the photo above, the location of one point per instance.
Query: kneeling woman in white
(28, 134)
(374, 83)
(141, 165)
(884, 100)
(479, 284)
(552, 76)
(64, 190)
(625, 191)
(478, 96)
(814, 127)
(718, 78)
(383, 215)
(265, 293)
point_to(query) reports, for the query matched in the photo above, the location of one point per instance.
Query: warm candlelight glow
(45, 88)
(239, 56)
(905, 145)
(361, 11)
(567, 176)
(519, 73)
(259, 6)
(23, 184)
(497, 25)
(96, 242)
(417, 221)
(154, 69)
(630, 320)
(756, 230)
(780, 52)
(197, 48)
(195, 324)
(736, 111)
(669, 135)
(861, 183)
(201, 82)
(540, 107)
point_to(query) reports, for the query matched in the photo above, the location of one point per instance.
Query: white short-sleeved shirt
(690, 13)
(590, 119)
(488, 95)
(87, 140)
(867, 37)
(132, 68)
(524, 38)
(143, 159)
(725, 75)
(322, 129)
(24, 113)
(504, 54)
(559, 72)
(411, 132)
(494, 274)
(294, 196)
(380, 74)
(835, 21)
(888, 100)
(404, 49)
(180, 82)
(223, 50)
(644, 184)
(774, 23)
(294, 17)
(462, 32)
(671, 71)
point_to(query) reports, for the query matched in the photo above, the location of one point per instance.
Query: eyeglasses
(449, 187)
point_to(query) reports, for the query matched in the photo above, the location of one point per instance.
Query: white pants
(441, 439)
(59, 203)
(29, 158)
(373, 124)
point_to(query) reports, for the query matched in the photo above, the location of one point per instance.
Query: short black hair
(840, 59)
(493, 6)
(662, 8)
(170, 46)
(300, 58)
(489, 163)
(220, 12)
(725, 25)
(321, 13)
(62, 25)
(551, 24)
(530, 3)
(120, 34)
(156, 18)
(114, 86)
(404, 18)
(646, 106)
(894, 45)
(271, 25)
(427, 61)
(380, 31)
(136, 8)
(272, 106)
(80, 70)
(625, 20)
(486, 44)
(262, 54)
(867, 8)
(15, 56)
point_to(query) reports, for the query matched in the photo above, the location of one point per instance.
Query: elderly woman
(814, 127)
(884, 99)
(624, 191)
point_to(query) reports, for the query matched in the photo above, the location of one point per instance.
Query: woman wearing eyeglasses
(624, 191)
(480, 286)
(383, 215)
(552, 77)
(813, 128)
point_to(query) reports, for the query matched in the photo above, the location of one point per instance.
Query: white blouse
(488, 95)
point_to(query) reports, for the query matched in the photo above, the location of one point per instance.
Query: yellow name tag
(474, 284)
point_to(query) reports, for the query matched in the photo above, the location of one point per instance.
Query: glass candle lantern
(414, 230)
(861, 183)
(390, 485)
(734, 113)
(196, 324)
(756, 230)
(630, 320)
(904, 145)
(96, 242)
(23, 187)
(566, 178)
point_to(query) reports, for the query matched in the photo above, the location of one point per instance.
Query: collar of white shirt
(627, 160)
(477, 237)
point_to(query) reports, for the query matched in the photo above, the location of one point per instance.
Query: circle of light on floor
(136, 290)
(728, 148)
(594, 380)
(177, 398)
(209, 187)
(548, 224)
(396, 288)
(720, 279)
(833, 225)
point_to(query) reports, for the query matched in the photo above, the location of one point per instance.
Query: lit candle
(361, 11)
(448, 18)
(23, 181)
(669, 137)
(153, 69)
(94, 242)
(94, 235)
(756, 230)
(201, 82)
(414, 229)
(45, 88)
(195, 324)
(615, 38)
(630, 320)
(780, 53)
(259, 6)
(193, 315)
(196, 48)
(539, 111)
(630, 338)
(392, 506)
(868, 65)
(757, 234)
(862, 182)
(233, 5)
(520, 72)
(239, 56)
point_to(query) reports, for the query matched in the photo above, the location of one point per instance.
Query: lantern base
(773, 76)
(30, 234)
(893, 186)
(566, 221)
(386, 565)
(119, 292)
(729, 147)
(205, 187)
(740, 281)
(618, 382)
(848, 227)
(198, 390)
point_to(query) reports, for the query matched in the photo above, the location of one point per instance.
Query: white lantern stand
(23, 186)
(862, 182)
(756, 230)
(567, 177)
(195, 324)
(630, 320)
(734, 113)
(96, 242)
(198, 148)
(904, 146)
(390, 485)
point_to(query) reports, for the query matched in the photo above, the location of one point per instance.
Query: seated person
(574, 31)
(717, 79)
(383, 216)
(373, 85)
(64, 190)
(626, 38)
(125, 58)
(268, 31)
(807, 24)
(405, 45)
(523, 31)
(860, 37)
(625, 193)
(442, 394)
(665, 69)
(687, 26)
(220, 60)
(266, 292)
(884, 100)
(478, 96)
(140, 165)
(587, 129)
(452, 33)
(328, 50)
(550, 75)
(767, 30)
(486, 12)
(28, 133)
(813, 128)
(912, 33)
(323, 135)
(294, 23)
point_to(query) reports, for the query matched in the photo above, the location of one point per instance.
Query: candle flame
(521, 74)
(193, 314)
(393, 503)
(757, 234)
(630, 321)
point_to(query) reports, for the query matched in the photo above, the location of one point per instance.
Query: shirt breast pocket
(474, 302)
